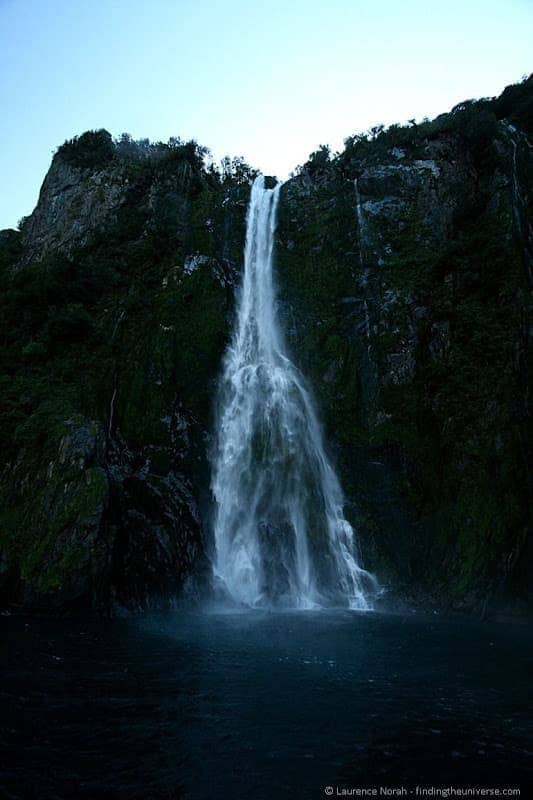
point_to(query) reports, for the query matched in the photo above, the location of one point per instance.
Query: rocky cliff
(404, 267)
(117, 293)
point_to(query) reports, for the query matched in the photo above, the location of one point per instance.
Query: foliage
(432, 385)
(119, 332)
(91, 149)
(474, 122)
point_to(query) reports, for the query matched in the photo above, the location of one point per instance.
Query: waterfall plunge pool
(210, 706)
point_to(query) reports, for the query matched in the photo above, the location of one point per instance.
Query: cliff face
(117, 296)
(405, 272)
(404, 267)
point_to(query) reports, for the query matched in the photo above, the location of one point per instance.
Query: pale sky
(270, 80)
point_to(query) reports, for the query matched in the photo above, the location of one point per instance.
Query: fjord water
(280, 533)
(260, 706)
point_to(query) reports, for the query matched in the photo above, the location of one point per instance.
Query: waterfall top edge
(261, 180)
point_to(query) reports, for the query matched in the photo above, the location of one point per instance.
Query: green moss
(51, 514)
(412, 340)
(430, 387)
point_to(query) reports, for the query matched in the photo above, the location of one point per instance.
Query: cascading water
(280, 534)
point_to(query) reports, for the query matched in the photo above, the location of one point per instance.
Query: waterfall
(360, 218)
(281, 537)
(520, 209)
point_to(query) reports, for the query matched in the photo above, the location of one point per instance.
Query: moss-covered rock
(403, 278)
(117, 297)
(404, 265)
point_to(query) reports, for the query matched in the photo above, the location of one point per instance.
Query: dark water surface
(263, 706)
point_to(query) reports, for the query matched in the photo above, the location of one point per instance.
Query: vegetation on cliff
(404, 266)
(110, 347)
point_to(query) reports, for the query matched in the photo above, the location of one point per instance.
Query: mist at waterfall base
(280, 533)
(259, 705)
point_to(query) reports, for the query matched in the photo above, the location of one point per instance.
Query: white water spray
(280, 533)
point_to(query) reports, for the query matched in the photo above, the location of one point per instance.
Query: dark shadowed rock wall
(404, 269)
